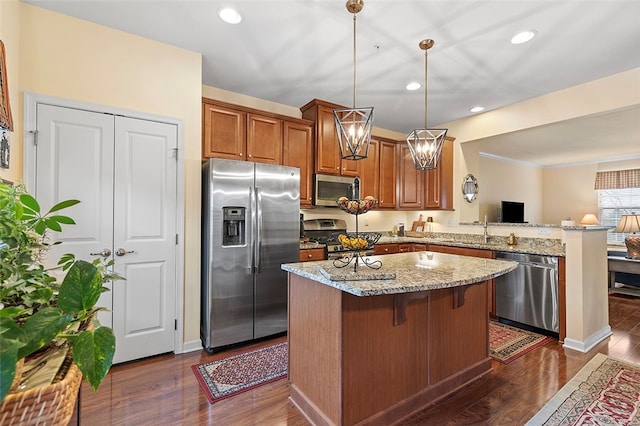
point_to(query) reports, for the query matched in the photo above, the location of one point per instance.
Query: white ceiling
(292, 51)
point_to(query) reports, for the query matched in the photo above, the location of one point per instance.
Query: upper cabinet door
(370, 171)
(410, 184)
(388, 174)
(298, 152)
(438, 193)
(328, 150)
(264, 139)
(223, 133)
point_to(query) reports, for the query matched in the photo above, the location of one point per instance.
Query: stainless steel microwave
(329, 188)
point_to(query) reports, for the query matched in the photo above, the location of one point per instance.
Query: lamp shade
(589, 219)
(630, 223)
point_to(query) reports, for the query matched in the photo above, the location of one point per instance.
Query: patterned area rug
(605, 392)
(234, 374)
(507, 343)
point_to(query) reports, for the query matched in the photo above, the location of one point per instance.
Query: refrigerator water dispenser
(233, 226)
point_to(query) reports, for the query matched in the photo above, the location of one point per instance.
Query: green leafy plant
(35, 310)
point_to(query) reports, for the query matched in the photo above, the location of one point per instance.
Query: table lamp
(589, 219)
(630, 223)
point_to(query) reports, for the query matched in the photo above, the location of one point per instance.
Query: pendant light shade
(354, 124)
(425, 145)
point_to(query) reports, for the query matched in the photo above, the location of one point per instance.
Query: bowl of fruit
(358, 241)
(357, 206)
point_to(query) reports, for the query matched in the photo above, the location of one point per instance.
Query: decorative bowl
(356, 206)
(359, 240)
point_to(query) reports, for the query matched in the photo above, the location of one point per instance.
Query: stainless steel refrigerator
(250, 226)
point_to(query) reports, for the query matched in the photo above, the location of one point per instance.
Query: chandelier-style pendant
(354, 125)
(425, 146)
(354, 132)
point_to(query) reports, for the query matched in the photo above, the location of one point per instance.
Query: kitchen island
(371, 351)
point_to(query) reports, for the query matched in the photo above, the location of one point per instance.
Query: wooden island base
(375, 360)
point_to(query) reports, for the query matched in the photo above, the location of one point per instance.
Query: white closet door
(74, 160)
(144, 237)
(124, 171)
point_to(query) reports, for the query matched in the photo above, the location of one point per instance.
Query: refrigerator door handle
(252, 235)
(258, 233)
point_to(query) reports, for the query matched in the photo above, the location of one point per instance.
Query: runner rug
(229, 376)
(605, 392)
(507, 343)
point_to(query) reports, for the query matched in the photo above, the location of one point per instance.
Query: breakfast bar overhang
(370, 351)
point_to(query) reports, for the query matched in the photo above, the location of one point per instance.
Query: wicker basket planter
(46, 405)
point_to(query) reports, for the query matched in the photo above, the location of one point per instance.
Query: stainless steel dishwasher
(529, 294)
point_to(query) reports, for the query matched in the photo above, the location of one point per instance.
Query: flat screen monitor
(512, 212)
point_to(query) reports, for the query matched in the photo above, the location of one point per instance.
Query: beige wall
(510, 181)
(569, 193)
(69, 58)
(10, 36)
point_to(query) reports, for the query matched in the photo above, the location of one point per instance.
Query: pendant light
(354, 124)
(425, 145)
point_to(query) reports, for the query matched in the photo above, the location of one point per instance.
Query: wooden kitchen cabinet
(235, 134)
(223, 132)
(328, 159)
(264, 139)
(438, 183)
(370, 175)
(410, 185)
(298, 152)
(387, 175)
(465, 251)
(418, 247)
(388, 248)
(405, 247)
(308, 255)
(428, 189)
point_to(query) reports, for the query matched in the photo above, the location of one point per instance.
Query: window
(612, 204)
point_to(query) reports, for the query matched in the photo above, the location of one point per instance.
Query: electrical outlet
(544, 231)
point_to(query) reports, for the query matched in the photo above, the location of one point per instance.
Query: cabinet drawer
(386, 248)
(307, 255)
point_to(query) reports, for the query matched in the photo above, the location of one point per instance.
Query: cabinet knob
(240, 154)
(386, 249)
(249, 155)
(309, 256)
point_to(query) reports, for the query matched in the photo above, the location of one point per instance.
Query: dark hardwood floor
(163, 390)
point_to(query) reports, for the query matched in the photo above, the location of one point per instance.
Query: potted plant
(36, 311)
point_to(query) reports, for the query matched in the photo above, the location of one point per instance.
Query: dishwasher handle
(539, 265)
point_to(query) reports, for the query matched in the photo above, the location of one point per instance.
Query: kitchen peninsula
(372, 351)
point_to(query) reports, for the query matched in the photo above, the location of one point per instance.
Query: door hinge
(175, 153)
(175, 324)
(35, 137)
(176, 239)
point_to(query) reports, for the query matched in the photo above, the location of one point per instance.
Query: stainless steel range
(326, 231)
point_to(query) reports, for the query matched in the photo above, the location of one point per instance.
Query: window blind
(618, 179)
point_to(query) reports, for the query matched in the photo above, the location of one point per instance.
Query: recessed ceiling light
(229, 15)
(477, 109)
(523, 37)
(414, 85)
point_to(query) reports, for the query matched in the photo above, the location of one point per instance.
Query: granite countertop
(541, 246)
(418, 271)
(309, 245)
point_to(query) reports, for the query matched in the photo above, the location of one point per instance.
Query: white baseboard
(590, 342)
(192, 346)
